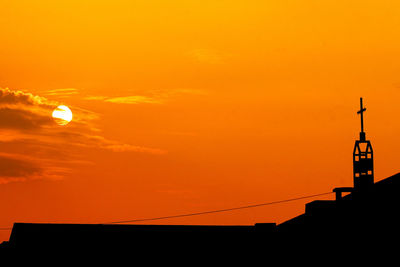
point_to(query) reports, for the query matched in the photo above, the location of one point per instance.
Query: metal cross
(361, 111)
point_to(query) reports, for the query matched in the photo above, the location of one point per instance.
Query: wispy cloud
(151, 97)
(20, 110)
(12, 118)
(16, 97)
(26, 122)
(23, 110)
(60, 92)
(208, 56)
(122, 147)
(133, 99)
(17, 168)
(136, 99)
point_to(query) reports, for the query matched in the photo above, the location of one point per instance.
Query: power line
(218, 211)
(210, 211)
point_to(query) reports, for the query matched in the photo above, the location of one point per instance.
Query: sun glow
(62, 115)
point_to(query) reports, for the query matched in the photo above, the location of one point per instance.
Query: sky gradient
(186, 106)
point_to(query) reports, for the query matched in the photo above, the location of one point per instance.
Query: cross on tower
(361, 111)
(363, 158)
(363, 162)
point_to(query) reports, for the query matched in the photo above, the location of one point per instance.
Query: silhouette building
(368, 212)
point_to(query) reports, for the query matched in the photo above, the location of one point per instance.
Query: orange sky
(185, 106)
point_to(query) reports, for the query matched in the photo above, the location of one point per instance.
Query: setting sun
(62, 115)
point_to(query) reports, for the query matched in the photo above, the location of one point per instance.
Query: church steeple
(363, 158)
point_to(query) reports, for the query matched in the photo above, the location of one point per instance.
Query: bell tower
(363, 158)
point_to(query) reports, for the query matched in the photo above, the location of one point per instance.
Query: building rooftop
(371, 213)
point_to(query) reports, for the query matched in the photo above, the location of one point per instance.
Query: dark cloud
(26, 125)
(24, 111)
(22, 119)
(16, 97)
(17, 168)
